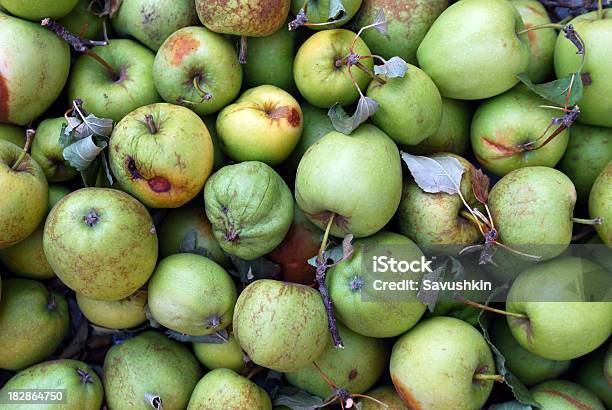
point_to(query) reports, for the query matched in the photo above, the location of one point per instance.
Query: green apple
(453, 134)
(410, 107)
(48, 152)
(176, 289)
(356, 301)
(384, 394)
(588, 152)
(119, 314)
(504, 126)
(317, 12)
(162, 154)
(187, 229)
(271, 60)
(564, 395)
(280, 325)
(355, 368)
(249, 207)
(264, 124)
(561, 321)
(152, 21)
(596, 34)
(197, 68)
(33, 322)
(83, 22)
(12, 133)
(600, 203)
(321, 76)
(590, 374)
(407, 23)
(358, 178)
(224, 389)
(228, 355)
(220, 157)
(23, 203)
(101, 243)
(38, 68)
(532, 210)
(37, 10)
(465, 47)
(530, 368)
(82, 388)
(436, 365)
(114, 93)
(542, 41)
(149, 366)
(433, 219)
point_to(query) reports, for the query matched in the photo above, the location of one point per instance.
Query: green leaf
(392, 68)
(556, 91)
(435, 174)
(511, 405)
(82, 153)
(99, 126)
(218, 337)
(297, 399)
(341, 121)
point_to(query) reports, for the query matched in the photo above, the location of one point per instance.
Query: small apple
(600, 203)
(12, 133)
(591, 374)
(463, 49)
(357, 178)
(197, 68)
(317, 12)
(384, 394)
(83, 22)
(101, 243)
(34, 73)
(320, 74)
(440, 363)
(506, 128)
(48, 152)
(152, 21)
(37, 10)
(114, 91)
(162, 154)
(264, 124)
(228, 355)
(564, 395)
(119, 314)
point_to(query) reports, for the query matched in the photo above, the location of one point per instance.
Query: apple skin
(461, 52)
(12, 133)
(101, 243)
(318, 12)
(315, 72)
(228, 355)
(542, 41)
(253, 18)
(81, 385)
(152, 21)
(220, 158)
(588, 151)
(34, 73)
(597, 36)
(24, 204)
(561, 324)
(564, 395)
(385, 394)
(600, 203)
(432, 365)
(407, 23)
(37, 10)
(357, 177)
(48, 152)
(166, 168)
(410, 107)
(33, 322)
(532, 210)
(197, 54)
(114, 98)
(362, 313)
(120, 314)
(83, 22)
(512, 119)
(590, 374)
(264, 124)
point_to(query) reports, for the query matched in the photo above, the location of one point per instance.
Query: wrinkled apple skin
(197, 54)
(48, 152)
(167, 168)
(600, 204)
(564, 395)
(34, 73)
(253, 18)
(318, 12)
(118, 314)
(37, 10)
(250, 208)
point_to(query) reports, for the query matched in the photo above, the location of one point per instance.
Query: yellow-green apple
(37, 10)
(222, 386)
(318, 12)
(49, 153)
(117, 314)
(600, 203)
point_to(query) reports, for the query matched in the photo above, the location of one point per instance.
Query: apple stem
(364, 396)
(154, 400)
(490, 309)
(109, 68)
(242, 54)
(330, 222)
(30, 133)
(77, 43)
(196, 84)
(489, 377)
(600, 13)
(151, 124)
(555, 26)
(594, 221)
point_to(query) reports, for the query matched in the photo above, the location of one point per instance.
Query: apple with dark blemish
(507, 132)
(101, 243)
(36, 10)
(224, 388)
(33, 74)
(118, 84)
(264, 124)
(83, 22)
(250, 208)
(49, 153)
(600, 204)
(162, 154)
(152, 21)
(23, 204)
(13, 133)
(355, 368)
(197, 68)
(317, 12)
(116, 314)
(565, 395)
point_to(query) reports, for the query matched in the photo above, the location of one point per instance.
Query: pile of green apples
(190, 189)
